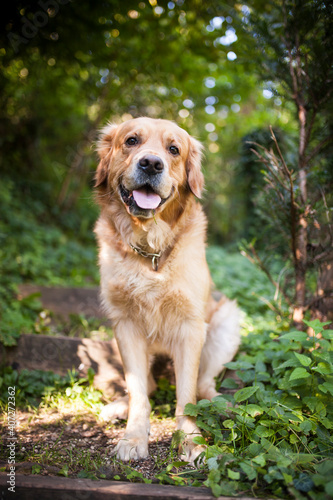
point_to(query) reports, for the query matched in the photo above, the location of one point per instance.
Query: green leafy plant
(36, 247)
(35, 387)
(163, 401)
(276, 438)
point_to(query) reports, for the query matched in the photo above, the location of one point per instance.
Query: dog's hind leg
(118, 409)
(222, 342)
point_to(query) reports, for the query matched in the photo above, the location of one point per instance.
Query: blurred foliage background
(217, 68)
(90, 62)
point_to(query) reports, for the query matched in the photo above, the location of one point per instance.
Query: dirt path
(53, 442)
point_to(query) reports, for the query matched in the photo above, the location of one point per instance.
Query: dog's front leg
(133, 350)
(187, 360)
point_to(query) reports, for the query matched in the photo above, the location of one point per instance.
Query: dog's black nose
(151, 164)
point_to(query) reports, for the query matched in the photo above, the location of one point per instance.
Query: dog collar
(154, 256)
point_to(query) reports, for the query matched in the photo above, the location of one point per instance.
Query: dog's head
(147, 163)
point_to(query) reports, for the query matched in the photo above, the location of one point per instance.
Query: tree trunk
(302, 230)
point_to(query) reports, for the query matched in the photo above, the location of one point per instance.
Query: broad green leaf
(254, 410)
(326, 387)
(325, 356)
(228, 424)
(246, 376)
(228, 489)
(233, 474)
(64, 471)
(299, 373)
(249, 470)
(287, 477)
(204, 403)
(191, 410)
(283, 461)
(245, 393)
(305, 360)
(179, 463)
(323, 368)
(245, 420)
(264, 431)
(199, 440)
(216, 489)
(316, 325)
(303, 458)
(213, 463)
(311, 402)
(260, 460)
(329, 488)
(326, 467)
(292, 362)
(220, 404)
(295, 335)
(229, 383)
(327, 334)
(326, 422)
(303, 482)
(238, 365)
(260, 366)
(255, 449)
(306, 426)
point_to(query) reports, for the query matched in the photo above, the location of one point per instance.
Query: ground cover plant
(277, 436)
(39, 245)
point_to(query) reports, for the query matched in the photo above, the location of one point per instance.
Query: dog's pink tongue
(146, 199)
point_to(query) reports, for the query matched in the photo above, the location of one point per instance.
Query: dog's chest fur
(160, 303)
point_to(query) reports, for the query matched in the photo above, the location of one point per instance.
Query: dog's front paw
(189, 451)
(187, 431)
(131, 449)
(118, 410)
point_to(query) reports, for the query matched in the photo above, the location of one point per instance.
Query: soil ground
(52, 439)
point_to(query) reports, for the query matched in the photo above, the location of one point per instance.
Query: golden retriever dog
(155, 282)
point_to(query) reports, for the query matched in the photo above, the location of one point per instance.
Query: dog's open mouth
(144, 197)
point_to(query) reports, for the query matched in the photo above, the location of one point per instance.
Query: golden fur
(167, 310)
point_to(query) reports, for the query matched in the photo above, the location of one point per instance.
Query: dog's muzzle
(145, 196)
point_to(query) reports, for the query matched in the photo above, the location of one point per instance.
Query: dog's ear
(104, 148)
(195, 178)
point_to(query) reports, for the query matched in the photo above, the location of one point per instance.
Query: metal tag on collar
(154, 262)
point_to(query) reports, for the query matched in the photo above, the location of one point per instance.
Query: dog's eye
(174, 150)
(131, 141)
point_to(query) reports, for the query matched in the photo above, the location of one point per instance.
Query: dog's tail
(222, 342)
